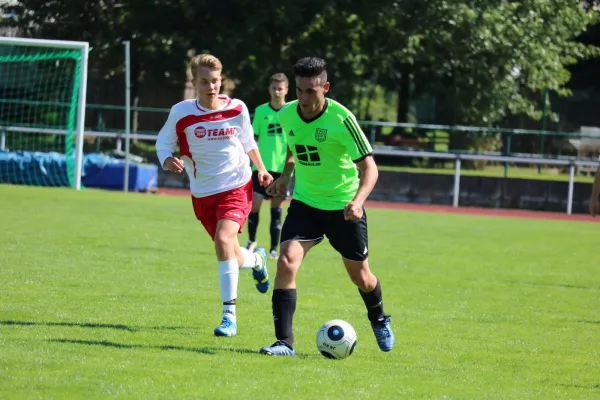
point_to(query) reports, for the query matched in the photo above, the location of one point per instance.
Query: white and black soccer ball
(336, 339)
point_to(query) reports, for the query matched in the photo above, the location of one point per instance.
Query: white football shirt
(213, 144)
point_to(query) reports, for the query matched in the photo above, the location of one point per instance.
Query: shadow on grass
(201, 350)
(120, 327)
(561, 285)
(591, 387)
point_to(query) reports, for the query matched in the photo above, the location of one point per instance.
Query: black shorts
(260, 189)
(306, 223)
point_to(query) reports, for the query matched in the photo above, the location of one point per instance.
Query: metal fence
(571, 162)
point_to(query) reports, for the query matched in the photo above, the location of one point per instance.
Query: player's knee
(362, 278)
(276, 202)
(287, 265)
(256, 206)
(224, 239)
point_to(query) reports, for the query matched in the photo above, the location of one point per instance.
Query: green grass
(108, 295)
(494, 171)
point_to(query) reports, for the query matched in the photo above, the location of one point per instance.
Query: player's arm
(246, 137)
(279, 188)
(595, 193)
(290, 164)
(368, 179)
(166, 142)
(256, 159)
(264, 178)
(359, 149)
(256, 124)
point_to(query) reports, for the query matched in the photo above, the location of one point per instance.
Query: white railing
(571, 162)
(377, 150)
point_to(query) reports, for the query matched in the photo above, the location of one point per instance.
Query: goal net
(42, 111)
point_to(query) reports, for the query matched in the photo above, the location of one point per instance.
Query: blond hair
(279, 77)
(204, 60)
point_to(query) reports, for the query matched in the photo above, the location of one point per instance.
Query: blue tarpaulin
(98, 171)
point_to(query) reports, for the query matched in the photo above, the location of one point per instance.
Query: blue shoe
(383, 333)
(279, 348)
(261, 277)
(227, 328)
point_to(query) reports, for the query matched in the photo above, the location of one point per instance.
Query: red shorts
(234, 204)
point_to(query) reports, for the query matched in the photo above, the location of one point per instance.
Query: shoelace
(384, 332)
(282, 343)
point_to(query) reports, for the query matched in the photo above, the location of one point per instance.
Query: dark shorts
(306, 223)
(260, 189)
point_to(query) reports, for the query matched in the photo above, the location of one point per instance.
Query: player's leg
(232, 209)
(301, 231)
(205, 209)
(369, 288)
(276, 225)
(222, 233)
(254, 216)
(242, 258)
(229, 271)
(350, 239)
(236, 205)
(257, 260)
(284, 296)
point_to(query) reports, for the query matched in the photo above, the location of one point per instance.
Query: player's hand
(279, 187)
(264, 178)
(353, 211)
(593, 206)
(174, 165)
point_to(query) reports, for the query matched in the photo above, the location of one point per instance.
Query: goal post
(43, 88)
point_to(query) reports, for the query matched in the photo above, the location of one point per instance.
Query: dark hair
(279, 77)
(308, 67)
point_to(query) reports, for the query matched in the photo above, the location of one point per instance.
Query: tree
(481, 60)
(484, 59)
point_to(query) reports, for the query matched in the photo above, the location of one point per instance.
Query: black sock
(373, 302)
(252, 226)
(284, 306)
(275, 227)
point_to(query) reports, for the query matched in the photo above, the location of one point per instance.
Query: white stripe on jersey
(212, 143)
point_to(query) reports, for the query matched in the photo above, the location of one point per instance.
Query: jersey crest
(320, 135)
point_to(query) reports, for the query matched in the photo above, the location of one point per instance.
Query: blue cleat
(279, 348)
(261, 277)
(228, 328)
(383, 333)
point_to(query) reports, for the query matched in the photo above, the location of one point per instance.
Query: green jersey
(325, 149)
(271, 140)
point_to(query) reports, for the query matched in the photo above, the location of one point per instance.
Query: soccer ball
(336, 339)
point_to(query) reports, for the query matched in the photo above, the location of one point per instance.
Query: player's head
(278, 86)
(206, 76)
(311, 83)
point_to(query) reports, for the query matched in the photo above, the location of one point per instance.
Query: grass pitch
(108, 295)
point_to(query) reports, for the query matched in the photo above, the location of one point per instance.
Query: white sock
(229, 273)
(229, 312)
(251, 260)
